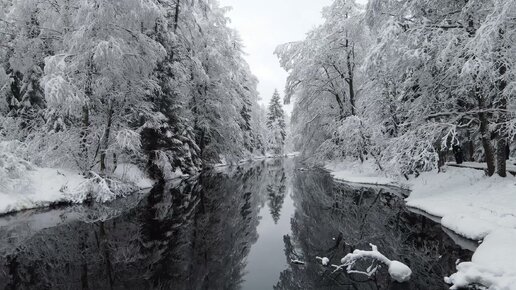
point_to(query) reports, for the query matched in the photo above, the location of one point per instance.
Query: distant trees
(90, 85)
(276, 125)
(426, 77)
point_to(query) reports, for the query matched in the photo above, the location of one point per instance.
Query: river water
(239, 228)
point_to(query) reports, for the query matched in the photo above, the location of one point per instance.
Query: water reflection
(332, 220)
(276, 188)
(224, 230)
(194, 235)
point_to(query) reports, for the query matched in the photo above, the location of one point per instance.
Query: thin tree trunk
(486, 143)
(501, 145)
(84, 136)
(350, 80)
(471, 147)
(105, 140)
(342, 111)
(501, 157)
(176, 16)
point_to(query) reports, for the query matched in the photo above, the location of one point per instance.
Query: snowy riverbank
(470, 204)
(361, 173)
(25, 186)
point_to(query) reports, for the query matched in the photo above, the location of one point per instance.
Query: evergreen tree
(276, 125)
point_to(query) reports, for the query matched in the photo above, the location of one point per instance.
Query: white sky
(265, 24)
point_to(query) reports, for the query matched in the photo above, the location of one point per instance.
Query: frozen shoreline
(469, 204)
(36, 187)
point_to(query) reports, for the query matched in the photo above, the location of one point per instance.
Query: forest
(89, 85)
(406, 84)
(163, 84)
(402, 134)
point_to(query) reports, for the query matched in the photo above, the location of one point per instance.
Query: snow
(479, 208)
(471, 205)
(398, 271)
(25, 186)
(297, 262)
(131, 173)
(42, 187)
(362, 173)
(511, 167)
(492, 264)
(293, 154)
(253, 158)
(324, 261)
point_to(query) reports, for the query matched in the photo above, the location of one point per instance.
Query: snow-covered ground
(40, 187)
(479, 208)
(224, 162)
(25, 186)
(470, 204)
(362, 173)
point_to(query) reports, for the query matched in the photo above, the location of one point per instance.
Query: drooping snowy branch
(397, 270)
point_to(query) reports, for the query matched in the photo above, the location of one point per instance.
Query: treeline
(406, 83)
(90, 84)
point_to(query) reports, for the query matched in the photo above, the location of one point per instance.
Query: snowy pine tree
(276, 125)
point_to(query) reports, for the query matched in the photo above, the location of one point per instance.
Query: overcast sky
(264, 25)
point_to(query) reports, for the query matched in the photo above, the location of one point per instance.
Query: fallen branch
(397, 270)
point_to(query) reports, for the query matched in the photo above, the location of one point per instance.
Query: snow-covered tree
(276, 125)
(92, 84)
(420, 79)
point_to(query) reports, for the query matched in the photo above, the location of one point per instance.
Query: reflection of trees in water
(276, 188)
(196, 235)
(332, 220)
(192, 236)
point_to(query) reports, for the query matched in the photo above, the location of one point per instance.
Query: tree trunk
(501, 157)
(342, 112)
(176, 16)
(442, 158)
(486, 143)
(458, 154)
(502, 136)
(470, 148)
(350, 79)
(84, 137)
(105, 140)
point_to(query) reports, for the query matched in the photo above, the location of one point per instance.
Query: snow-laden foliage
(276, 125)
(90, 85)
(13, 169)
(424, 78)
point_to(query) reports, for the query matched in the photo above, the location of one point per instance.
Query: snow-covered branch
(397, 270)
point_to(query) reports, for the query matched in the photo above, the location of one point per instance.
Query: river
(232, 228)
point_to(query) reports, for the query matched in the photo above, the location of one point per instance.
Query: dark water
(225, 230)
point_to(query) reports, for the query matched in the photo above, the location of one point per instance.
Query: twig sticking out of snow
(397, 270)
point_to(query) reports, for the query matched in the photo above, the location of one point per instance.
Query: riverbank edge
(41, 187)
(468, 204)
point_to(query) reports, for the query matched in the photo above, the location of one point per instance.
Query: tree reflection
(196, 234)
(332, 220)
(192, 235)
(276, 188)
